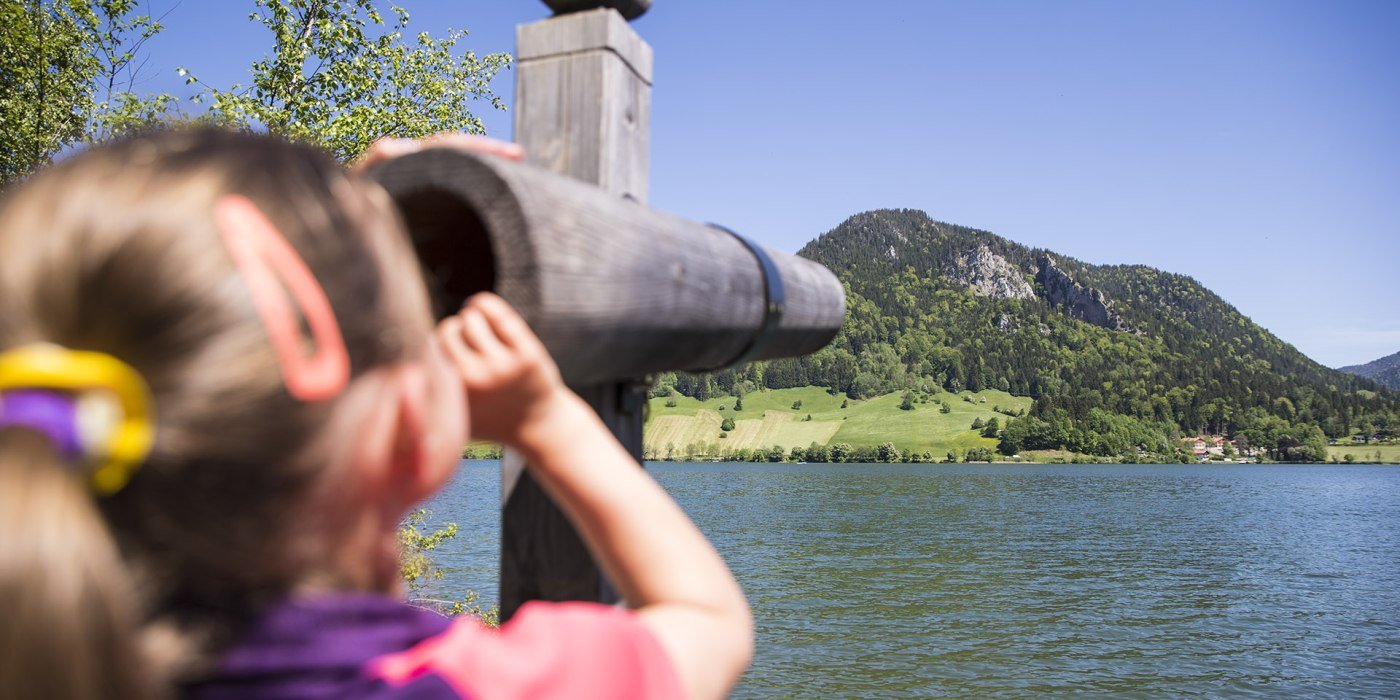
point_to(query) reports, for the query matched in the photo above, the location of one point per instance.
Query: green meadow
(692, 428)
(1365, 454)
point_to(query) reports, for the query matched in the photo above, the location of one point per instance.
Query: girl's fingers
(480, 336)
(506, 322)
(450, 336)
(448, 329)
(385, 149)
(389, 148)
(477, 144)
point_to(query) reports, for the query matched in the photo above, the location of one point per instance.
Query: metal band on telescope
(774, 300)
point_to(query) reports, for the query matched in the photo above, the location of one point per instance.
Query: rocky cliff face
(987, 274)
(1076, 300)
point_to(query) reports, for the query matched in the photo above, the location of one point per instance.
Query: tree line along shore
(813, 424)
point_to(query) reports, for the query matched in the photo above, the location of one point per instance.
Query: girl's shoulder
(365, 646)
(574, 650)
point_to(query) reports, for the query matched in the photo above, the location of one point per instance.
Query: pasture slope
(1365, 454)
(691, 428)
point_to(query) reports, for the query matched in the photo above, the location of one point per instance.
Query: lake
(894, 580)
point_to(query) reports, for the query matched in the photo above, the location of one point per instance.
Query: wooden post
(614, 288)
(583, 108)
(583, 99)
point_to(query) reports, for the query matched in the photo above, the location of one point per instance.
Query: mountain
(1385, 371)
(1119, 358)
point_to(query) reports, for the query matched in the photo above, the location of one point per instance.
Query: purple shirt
(368, 646)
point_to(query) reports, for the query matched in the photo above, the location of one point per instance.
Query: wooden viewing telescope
(616, 290)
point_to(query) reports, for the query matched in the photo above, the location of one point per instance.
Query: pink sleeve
(548, 650)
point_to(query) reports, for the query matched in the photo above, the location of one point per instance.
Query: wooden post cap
(631, 9)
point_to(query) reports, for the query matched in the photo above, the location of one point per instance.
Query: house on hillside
(1205, 447)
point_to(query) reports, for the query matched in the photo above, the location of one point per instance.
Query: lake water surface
(1020, 580)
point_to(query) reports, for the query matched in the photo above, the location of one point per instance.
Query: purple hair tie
(50, 413)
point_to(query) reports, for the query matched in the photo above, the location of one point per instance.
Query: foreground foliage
(419, 570)
(69, 71)
(342, 73)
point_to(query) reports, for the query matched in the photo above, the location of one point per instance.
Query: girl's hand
(680, 588)
(390, 148)
(512, 383)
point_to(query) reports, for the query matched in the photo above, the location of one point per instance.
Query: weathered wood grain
(583, 105)
(582, 109)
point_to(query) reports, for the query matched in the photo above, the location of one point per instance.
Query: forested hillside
(1385, 371)
(1119, 359)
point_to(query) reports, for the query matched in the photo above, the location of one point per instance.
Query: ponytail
(129, 555)
(70, 623)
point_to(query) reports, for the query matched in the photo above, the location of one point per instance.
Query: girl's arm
(658, 559)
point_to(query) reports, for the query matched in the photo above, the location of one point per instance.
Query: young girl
(220, 392)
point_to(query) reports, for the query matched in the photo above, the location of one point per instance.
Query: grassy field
(1366, 454)
(768, 418)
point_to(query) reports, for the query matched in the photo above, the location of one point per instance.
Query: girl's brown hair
(115, 251)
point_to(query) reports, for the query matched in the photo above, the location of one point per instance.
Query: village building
(1208, 447)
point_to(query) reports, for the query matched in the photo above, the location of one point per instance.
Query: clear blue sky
(1253, 145)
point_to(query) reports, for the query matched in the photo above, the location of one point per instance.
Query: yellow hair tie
(123, 448)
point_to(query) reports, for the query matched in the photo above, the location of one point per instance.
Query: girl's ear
(415, 468)
(391, 444)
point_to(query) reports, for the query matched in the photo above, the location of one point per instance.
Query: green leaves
(69, 69)
(341, 76)
(418, 568)
(415, 564)
(46, 93)
(116, 37)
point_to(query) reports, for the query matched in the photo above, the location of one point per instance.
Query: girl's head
(248, 492)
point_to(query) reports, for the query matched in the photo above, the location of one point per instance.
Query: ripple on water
(875, 581)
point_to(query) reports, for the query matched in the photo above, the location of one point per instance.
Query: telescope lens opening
(453, 247)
